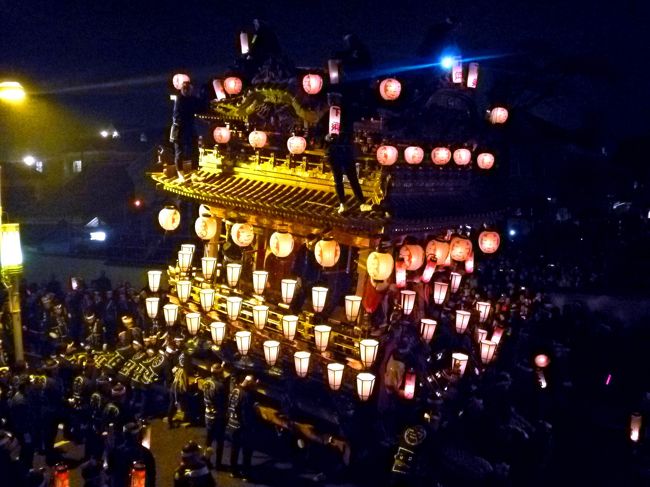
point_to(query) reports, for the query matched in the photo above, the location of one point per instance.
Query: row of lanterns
(387, 156)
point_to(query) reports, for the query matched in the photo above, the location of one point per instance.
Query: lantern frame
(208, 266)
(289, 326)
(233, 307)
(483, 308)
(455, 280)
(318, 298)
(407, 301)
(488, 348)
(427, 329)
(368, 348)
(193, 323)
(301, 363)
(462, 320)
(153, 280)
(440, 292)
(243, 340)
(459, 363)
(271, 352)
(184, 260)
(170, 312)
(206, 296)
(233, 273)
(352, 307)
(322, 337)
(365, 385)
(260, 316)
(335, 375)
(288, 288)
(183, 290)
(259, 281)
(218, 332)
(152, 307)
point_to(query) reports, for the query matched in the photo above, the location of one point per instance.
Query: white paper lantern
(333, 70)
(457, 71)
(260, 315)
(301, 362)
(259, 281)
(413, 155)
(170, 311)
(429, 269)
(179, 79)
(407, 301)
(183, 289)
(184, 260)
(462, 157)
(205, 227)
(368, 351)
(193, 322)
(334, 126)
(460, 248)
(169, 218)
(472, 75)
(243, 341)
(483, 308)
(233, 307)
(440, 156)
(439, 249)
(462, 320)
(153, 277)
(498, 115)
(219, 92)
(440, 292)
(288, 288)
(487, 351)
(380, 266)
(390, 89)
(318, 298)
(188, 248)
(206, 296)
(281, 244)
(152, 307)
(289, 325)
(296, 144)
(327, 252)
(365, 385)
(257, 139)
(208, 265)
(469, 264)
(387, 155)
(335, 375)
(322, 336)
(489, 242)
(232, 85)
(242, 234)
(271, 352)
(481, 335)
(312, 83)
(635, 426)
(455, 278)
(221, 135)
(233, 271)
(243, 43)
(458, 363)
(427, 329)
(485, 160)
(352, 307)
(218, 332)
(413, 256)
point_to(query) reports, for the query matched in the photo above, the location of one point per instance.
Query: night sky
(63, 49)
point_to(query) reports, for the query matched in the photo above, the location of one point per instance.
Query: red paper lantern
(312, 83)
(232, 85)
(409, 384)
(257, 139)
(400, 273)
(460, 248)
(469, 264)
(179, 79)
(296, 144)
(386, 155)
(542, 360)
(440, 156)
(413, 155)
(439, 249)
(221, 135)
(413, 256)
(389, 89)
(429, 269)
(498, 115)
(462, 157)
(485, 160)
(489, 241)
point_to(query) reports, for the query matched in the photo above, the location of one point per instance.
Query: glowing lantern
(413, 155)
(312, 83)
(243, 42)
(457, 71)
(409, 384)
(288, 288)
(220, 93)
(380, 266)
(205, 227)
(259, 281)
(413, 256)
(318, 297)
(271, 351)
(257, 139)
(242, 234)
(188, 248)
(335, 375)
(138, 474)
(352, 307)
(221, 135)
(462, 157)
(439, 249)
(208, 265)
(260, 315)
(458, 363)
(183, 289)
(497, 334)
(469, 263)
(481, 334)
(193, 322)
(169, 218)
(335, 120)
(243, 340)
(455, 281)
(233, 271)
(407, 301)
(400, 273)
(489, 242)
(472, 75)
(462, 320)
(232, 85)
(153, 277)
(487, 351)
(152, 307)
(301, 362)
(485, 160)
(170, 311)
(429, 269)
(542, 361)
(498, 115)
(365, 385)
(387, 155)
(296, 144)
(440, 292)
(440, 156)
(389, 89)
(281, 244)
(179, 79)
(483, 308)
(289, 325)
(206, 296)
(233, 307)
(635, 426)
(61, 476)
(368, 351)
(460, 248)
(333, 70)
(327, 252)
(184, 260)
(427, 329)
(322, 336)
(218, 332)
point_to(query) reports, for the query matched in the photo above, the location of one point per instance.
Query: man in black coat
(241, 416)
(183, 133)
(122, 458)
(215, 395)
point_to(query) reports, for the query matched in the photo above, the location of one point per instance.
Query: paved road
(166, 445)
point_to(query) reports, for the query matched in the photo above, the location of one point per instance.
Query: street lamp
(11, 261)
(12, 92)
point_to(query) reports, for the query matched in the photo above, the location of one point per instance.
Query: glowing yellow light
(12, 92)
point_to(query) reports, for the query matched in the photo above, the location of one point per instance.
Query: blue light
(512, 233)
(447, 62)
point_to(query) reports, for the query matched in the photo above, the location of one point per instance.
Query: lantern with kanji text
(390, 89)
(387, 155)
(232, 85)
(312, 83)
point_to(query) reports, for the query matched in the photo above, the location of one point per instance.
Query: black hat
(132, 428)
(190, 449)
(118, 390)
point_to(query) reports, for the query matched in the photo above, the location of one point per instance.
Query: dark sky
(137, 45)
